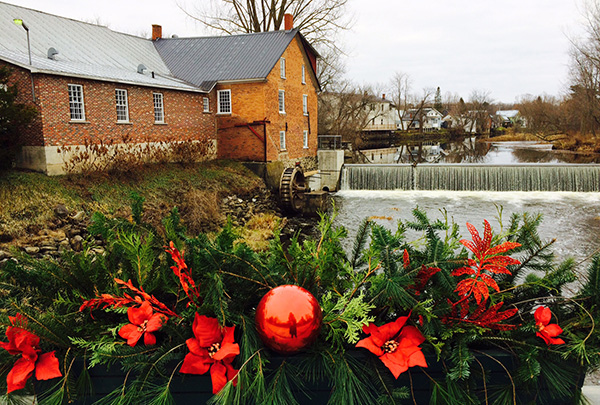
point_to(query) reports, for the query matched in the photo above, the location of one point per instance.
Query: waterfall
(472, 177)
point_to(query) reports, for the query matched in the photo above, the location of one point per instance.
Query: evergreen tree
(13, 116)
(438, 100)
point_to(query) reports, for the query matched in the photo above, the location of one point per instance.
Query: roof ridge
(294, 30)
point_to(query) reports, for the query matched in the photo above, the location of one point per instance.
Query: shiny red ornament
(288, 318)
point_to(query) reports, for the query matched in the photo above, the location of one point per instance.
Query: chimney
(383, 96)
(288, 21)
(156, 32)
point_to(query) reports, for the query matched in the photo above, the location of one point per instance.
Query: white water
(572, 218)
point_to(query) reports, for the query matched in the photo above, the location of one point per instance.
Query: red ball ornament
(288, 318)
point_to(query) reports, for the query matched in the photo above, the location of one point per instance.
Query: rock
(61, 211)
(77, 243)
(72, 232)
(48, 249)
(79, 216)
(31, 250)
(98, 250)
(4, 255)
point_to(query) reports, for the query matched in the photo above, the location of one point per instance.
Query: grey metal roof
(207, 60)
(85, 50)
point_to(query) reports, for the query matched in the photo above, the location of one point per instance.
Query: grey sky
(508, 48)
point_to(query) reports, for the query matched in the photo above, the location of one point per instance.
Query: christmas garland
(268, 326)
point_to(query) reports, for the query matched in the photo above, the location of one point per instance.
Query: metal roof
(85, 50)
(207, 60)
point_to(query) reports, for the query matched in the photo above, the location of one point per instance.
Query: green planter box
(193, 389)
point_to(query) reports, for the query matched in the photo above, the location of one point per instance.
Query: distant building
(382, 115)
(427, 118)
(510, 118)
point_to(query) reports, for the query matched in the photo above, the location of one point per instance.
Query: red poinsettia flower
(395, 344)
(487, 258)
(212, 348)
(21, 341)
(547, 331)
(143, 322)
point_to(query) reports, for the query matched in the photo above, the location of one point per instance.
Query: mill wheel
(292, 188)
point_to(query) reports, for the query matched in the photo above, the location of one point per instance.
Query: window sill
(224, 113)
(160, 123)
(282, 112)
(206, 112)
(124, 123)
(78, 122)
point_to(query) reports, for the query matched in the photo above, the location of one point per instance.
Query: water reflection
(471, 151)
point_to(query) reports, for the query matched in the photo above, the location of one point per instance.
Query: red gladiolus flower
(21, 341)
(212, 348)
(547, 331)
(143, 322)
(395, 344)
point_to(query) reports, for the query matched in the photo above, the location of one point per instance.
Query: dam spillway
(472, 177)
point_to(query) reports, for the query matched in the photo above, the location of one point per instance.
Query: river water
(572, 218)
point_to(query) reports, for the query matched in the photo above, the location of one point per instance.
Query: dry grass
(259, 230)
(27, 200)
(200, 211)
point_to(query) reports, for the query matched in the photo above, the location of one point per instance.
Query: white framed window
(282, 101)
(303, 74)
(159, 109)
(305, 104)
(206, 104)
(76, 106)
(305, 139)
(282, 140)
(282, 67)
(223, 101)
(121, 105)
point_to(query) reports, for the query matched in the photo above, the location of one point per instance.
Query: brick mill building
(254, 96)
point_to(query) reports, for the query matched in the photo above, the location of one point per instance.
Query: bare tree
(318, 20)
(544, 115)
(479, 111)
(585, 72)
(400, 90)
(346, 110)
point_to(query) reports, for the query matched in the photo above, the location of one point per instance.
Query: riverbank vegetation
(28, 200)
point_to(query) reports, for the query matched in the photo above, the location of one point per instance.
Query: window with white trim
(159, 109)
(305, 104)
(206, 104)
(282, 67)
(76, 106)
(224, 101)
(303, 74)
(305, 139)
(282, 101)
(282, 140)
(121, 105)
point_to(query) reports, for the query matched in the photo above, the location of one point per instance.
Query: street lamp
(20, 22)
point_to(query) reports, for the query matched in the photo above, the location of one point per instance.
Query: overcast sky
(508, 48)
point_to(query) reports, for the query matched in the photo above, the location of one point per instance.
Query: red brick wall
(257, 101)
(183, 113)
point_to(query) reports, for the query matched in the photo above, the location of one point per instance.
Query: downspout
(265, 137)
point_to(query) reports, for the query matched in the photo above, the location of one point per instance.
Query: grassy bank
(27, 200)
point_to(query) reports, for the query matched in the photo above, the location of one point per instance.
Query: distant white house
(465, 121)
(382, 115)
(429, 118)
(509, 118)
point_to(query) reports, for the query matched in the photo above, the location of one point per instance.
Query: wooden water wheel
(292, 188)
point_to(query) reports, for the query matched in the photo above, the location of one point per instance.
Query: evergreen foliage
(383, 277)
